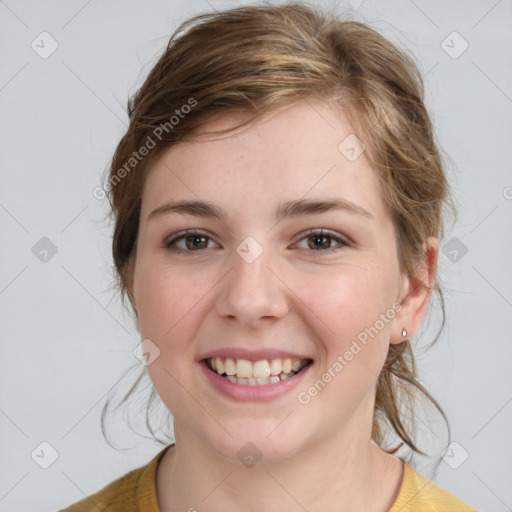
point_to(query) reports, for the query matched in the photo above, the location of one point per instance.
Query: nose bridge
(252, 292)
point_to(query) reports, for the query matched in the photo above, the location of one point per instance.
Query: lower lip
(257, 393)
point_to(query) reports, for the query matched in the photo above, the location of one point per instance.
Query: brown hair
(262, 59)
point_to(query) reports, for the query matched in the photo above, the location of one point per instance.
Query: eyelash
(170, 244)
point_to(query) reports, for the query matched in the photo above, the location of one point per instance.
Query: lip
(259, 393)
(252, 355)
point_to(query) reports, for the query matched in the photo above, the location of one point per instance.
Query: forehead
(298, 152)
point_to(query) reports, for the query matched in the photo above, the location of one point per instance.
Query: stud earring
(404, 332)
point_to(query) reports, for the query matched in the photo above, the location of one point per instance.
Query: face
(261, 282)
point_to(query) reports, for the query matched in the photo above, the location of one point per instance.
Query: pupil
(196, 239)
(317, 239)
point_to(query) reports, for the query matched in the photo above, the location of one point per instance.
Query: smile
(256, 373)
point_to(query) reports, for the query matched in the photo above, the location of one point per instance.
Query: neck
(346, 472)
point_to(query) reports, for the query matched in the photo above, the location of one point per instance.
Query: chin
(264, 441)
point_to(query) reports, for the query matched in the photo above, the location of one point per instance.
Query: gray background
(65, 338)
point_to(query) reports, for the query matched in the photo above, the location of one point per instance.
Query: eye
(196, 241)
(320, 241)
(193, 240)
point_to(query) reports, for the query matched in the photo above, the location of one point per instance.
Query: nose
(252, 293)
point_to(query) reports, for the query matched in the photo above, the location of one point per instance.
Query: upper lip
(251, 354)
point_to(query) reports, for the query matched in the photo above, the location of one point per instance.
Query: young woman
(278, 201)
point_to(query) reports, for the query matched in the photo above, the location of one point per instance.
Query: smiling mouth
(256, 373)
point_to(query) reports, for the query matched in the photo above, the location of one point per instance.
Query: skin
(294, 296)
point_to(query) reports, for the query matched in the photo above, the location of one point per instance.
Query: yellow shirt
(136, 492)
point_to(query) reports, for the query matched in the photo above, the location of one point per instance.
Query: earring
(404, 332)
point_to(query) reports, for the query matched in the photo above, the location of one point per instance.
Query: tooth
(287, 365)
(243, 368)
(275, 367)
(256, 381)
(213, 364)
(219, 365)
(283, 376)
(296, 364)
(230, 366)
(261, 369)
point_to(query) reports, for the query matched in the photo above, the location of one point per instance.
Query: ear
(415, 293)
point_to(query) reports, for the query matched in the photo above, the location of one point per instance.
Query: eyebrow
(296, 208)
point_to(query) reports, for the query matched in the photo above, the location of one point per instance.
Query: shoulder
(419, 493)
(134, 491)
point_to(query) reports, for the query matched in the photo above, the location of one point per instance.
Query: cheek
(347, 307)
(346, 313)
(167, 300)
(169, 306)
